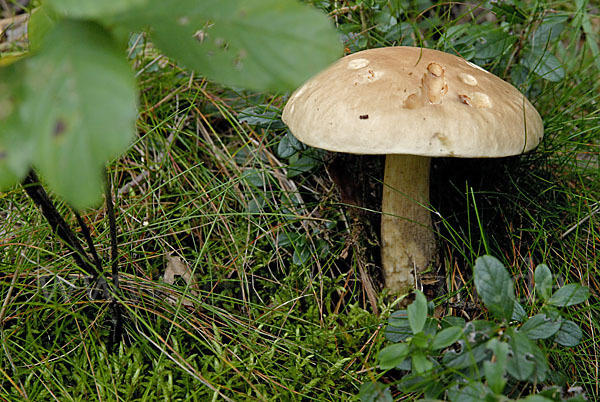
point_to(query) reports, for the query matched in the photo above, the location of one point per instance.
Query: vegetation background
(276, 244)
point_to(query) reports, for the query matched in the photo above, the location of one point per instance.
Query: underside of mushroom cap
(409, 100)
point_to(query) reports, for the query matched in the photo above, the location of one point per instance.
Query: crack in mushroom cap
(479, 115)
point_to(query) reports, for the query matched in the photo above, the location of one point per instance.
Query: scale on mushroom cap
(411, 104)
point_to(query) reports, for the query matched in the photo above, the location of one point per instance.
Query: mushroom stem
(407, 239)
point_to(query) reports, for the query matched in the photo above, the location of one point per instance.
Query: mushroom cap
(410, 100)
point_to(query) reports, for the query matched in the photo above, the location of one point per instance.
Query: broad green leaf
(540, 326)
(569, 334)
(519, 313)
(495, 286)
(92, 8)
(466, 357)
(536, 398)
(543, 281)
(399, 327)
(569, 295)
(472, 392)
(547, 32)
(306, 162)
(16, 145)
(446, 337)
(520, 364)
(540, 365)
(375, 392)
(494, 371)
(40, 23)
(391, 356)
(80, 103)
(543, 63)
(417, 312)
(289, 145)
(420, 363)
(258, 44)
(265, 116)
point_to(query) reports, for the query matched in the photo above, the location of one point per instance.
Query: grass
(283, 250)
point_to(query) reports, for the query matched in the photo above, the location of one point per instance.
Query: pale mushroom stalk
(407, 237)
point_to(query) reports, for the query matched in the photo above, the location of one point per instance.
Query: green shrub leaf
(569, 295)
(569, 334)
(520, 364)
(540, 326)
(543, 281)
(420, 363)
(494, 371)
(495, 287)
(393, 355)
(81, 100)
(92, 8)
(375, 392)
(417, 312)
(544, 64)
(16, 145)
(257, 44)
(446, 337)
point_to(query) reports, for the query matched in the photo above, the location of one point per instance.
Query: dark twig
(116, 332)
(36, 192)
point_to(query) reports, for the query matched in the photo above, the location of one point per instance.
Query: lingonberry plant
(481, 360)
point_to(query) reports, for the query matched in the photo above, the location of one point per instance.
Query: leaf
(391, 356)
(92, 8)
(266, 116)
(569, 295)
(302, 164)
(466, 357)
(543, 63)
(540, 326)
(495, 287)
(569, 334)
(417, 312)
(550, 28)
(420, 363)
(81, 104)
(289, 145)
(399, 327)
(257, 44)
(41, 21)
(472, 392)
(446, 337)
(16, 145)
(495, 369)
(375, 392)
(519, 313)
(543, 281)
(520, 364)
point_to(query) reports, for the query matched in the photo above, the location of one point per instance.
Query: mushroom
(411, 104)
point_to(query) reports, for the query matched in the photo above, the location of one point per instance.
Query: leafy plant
(479, 360)
(70, 105)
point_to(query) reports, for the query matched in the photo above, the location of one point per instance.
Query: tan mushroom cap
(410, 100)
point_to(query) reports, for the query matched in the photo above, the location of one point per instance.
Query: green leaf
(258, 44)
(81, 103)
(569, 334)
(266, 116)
(92, 8)
(540, 326)
(417, 312)
(543, 63)
(494, 371)
(543, 281)
(495, 286)
(535, 398)
(289, 145)
(391, 356)
(446, 337)
(41, 21)
(519, 313)
(520, 364)
(569, 295)
(466, 357)
(399, 327)
(472, 392)
(420, 363)
(16, 145)
(375, 392)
